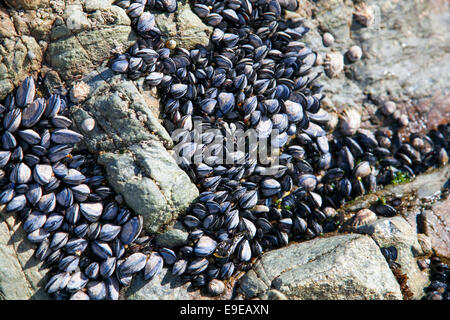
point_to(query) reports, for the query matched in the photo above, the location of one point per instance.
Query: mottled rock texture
(132, 146)
(22, 276)
(405, 57)
(341, 267)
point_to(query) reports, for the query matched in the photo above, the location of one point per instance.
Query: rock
(13, 284)
(173, 238)
(21, 275)
(184, 26)
(403, 61)
(92, 5)
(133, 145)
(83, 40)
(164, 286)
(27, 4)
(121, 114)
(149, 179)
(339, 267)
(16, 64)
(397, 232)
(438, 227)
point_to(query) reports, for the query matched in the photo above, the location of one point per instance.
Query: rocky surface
(164, 286)
(397, 232)
(81, 41)
(437, 227)
(184, 26)
(404, 58)
(21, 275)
(341, 267)
(132, 147)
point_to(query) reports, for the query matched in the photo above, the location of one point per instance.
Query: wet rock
(340, 267)
(149, 180)
(184, 26)
(397, 232)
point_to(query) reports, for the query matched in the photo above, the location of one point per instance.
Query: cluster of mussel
(440, 279)
(81, 230)
(258, 75)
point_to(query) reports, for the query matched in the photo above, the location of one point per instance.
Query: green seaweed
(401, 177)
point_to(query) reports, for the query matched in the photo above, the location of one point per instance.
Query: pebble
(88, 124)
(354, 53)
(328, 39)
(389, 108)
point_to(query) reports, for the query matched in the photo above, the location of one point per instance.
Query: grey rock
(397, 232)
(21, 275)
(13, 285)
(132, 144)
(173, 238)
(121, 113)
(340, 267)
(149, 179)
(164, 286)
(403, 61)
(82, 41)
(184, 26)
